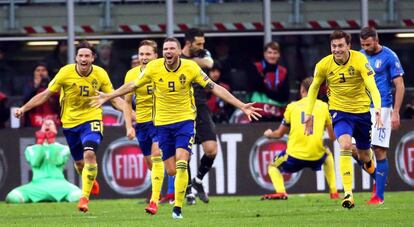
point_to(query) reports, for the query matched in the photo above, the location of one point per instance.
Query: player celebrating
(175, 110)
(388, 70)
(82, 124)
(349, 76)
(302, 151)
(145, 129)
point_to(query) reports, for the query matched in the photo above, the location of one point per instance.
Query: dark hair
(172, 39)
(191, 33)
(40, 63)
(85, 44)
(272, 45)
(306, 83)
(148, 42)
(367, 32)
(339, 34)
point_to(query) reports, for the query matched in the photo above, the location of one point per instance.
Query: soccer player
(205, 128)
(350, 81)
(145, 129)
(302, 151)
(388, 70)
(175, 110)
(82, 124)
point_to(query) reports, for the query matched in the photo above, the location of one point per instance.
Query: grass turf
(298, 210)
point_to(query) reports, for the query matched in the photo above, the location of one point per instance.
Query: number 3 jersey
(350, 85)
(173, 92)
(75, 91)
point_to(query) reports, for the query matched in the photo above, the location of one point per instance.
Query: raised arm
(37, 100)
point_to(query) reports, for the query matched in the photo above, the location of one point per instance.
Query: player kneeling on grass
(302, 151)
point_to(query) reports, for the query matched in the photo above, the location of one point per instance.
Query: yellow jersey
(75, 91)
(350, 85)
(173, 93)
(143, 96)
(299, 145)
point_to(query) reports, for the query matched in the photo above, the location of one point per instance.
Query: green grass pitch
(234, 211)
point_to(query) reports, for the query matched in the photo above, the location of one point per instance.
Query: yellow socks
(88, 177)
(346, 169)
(329, 170)
(277, 179)
(157, 177)
(181, 182)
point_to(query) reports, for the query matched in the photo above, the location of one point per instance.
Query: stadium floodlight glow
(42, 43)
(404, 35)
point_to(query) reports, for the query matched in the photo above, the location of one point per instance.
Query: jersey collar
(175, 70)
(76, 69)
(344, 62)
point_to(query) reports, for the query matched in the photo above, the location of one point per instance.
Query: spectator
(220, 110)
(269, 85)
(4, 110)
(106, 59)
(49, 109)
(57, 59)
(134, 61)
(6, 75)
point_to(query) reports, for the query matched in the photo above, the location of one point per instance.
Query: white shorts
(381, 136)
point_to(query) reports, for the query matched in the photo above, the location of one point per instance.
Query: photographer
(49, 109)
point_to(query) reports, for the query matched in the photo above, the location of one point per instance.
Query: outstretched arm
(97, 101)
(247, 108)
(37, 100)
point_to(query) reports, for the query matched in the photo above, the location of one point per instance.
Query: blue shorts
(173, 136)
(356, 125)
(146, 136)
(86, 134)
(289, 164)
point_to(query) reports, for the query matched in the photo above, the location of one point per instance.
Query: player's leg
(276, 177)
(206, 135)
(184, 139)
(380, 141)
(343, 128)
(91, 136)
(157, 176)
(329, 171)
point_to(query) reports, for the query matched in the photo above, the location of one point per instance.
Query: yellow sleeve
(328, 115)
(368, 74)
(143, 78)
(56, 84)
(318, 78)
(288, 112)
(130, 75)
(201, 77)
(106, 86)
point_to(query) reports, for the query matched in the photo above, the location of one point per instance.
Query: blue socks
(381, 177)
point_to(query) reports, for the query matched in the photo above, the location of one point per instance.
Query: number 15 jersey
(75, 92)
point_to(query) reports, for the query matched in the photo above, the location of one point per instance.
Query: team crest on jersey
(95, 84)
(398, 65)
(378, 63)
(351, 71)
(182, 79)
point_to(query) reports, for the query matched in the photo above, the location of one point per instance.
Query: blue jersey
(387, 66)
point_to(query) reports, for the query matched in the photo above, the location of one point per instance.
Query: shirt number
(171, 86)
(149, 89)
(84, 90)
(342, 78)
